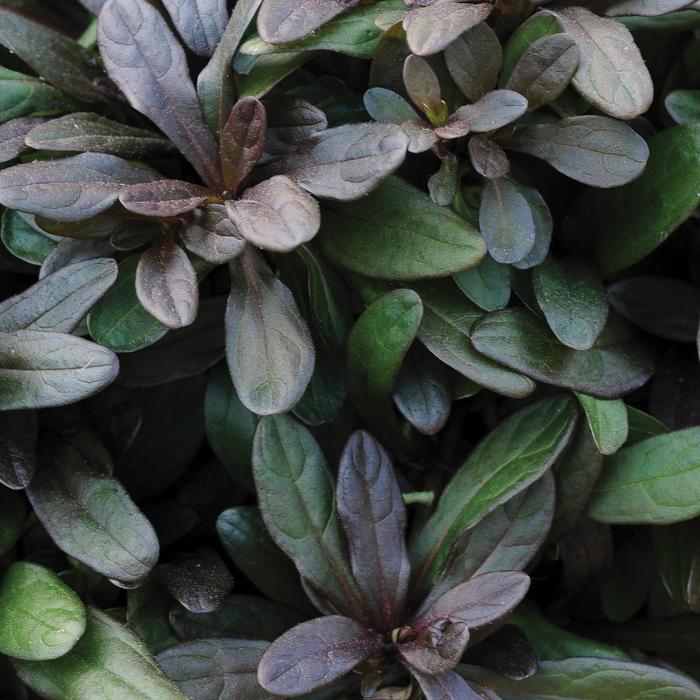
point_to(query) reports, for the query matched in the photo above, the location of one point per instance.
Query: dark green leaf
(23, 240)
(684, 106)
(40, 617)
(538, 25)
(387, 106)
(678, 554)
(607, 421)
(22, 95)
(487, 284)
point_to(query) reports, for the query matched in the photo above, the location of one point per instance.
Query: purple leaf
(314, 654)
(146, 61)
(423, 87)
(507, 652)
(487, 157)
(448, 686)
(71, 189)
(166, 284)
(276, 215)
(372, 512)
(242, 141)
(12, 136)
(200, 23)
(212, 236)
(163, 198)
(491, 112)
(434, 648)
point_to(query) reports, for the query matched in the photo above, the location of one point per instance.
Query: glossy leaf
(148, 64)
(108, 657)
(268, 346)
(504, 463)
(275, 215)
(597, 151)
(384, 235)
(607, 421)
(652, 481)
(71, 189)
(163, 198)
(200, 23)
(85, 131)
(91, 517)
(346, 162)
(572, 299)
(372, 512)
(40, 617)
(314, 654)
(60, 301)
(616, 365)
(296, 499)
(210, 669)
(39, 369)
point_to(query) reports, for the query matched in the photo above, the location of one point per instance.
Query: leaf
(423, 87)
(296, 499)
(430, 29)
(148, 64)
(210, 669)
(23, 95)
(447, 686)
(504, 463)
(12, 137)
(377, 345)
(487, 157)
(597, 151)
(474, 61)
(423, 392)
(506, 221)
(270, 69)
(542, 218)
(18, 442)
(387, 106)
(487, 284)
(212, 236)
(40, 617)
(683, 106)
(663, 306)
(51, 55)
(163, 198)
(493, 111)
(275, 215)
(373, 515)
(651, 482)
(70, 189)
(23, 239)
(573, 300)
(314, 654)
(41, 369)
(200, 23)
(589, 679)
(433, 645)
(84, 131)
(607, 421)
(282, 21)
(118, 321)
(268, 346)
(60, 301)
(611, 72)
(616, 365)
(200, 582)
(398, 233)
(108, 658)
(545, 69)
(347, 162)
(250, 547)
(642, 426)
(242, 141)
(215, 84)
(166, 284)
(645, 8)
(678, 557)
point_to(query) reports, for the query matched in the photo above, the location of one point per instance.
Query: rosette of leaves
(224, 214)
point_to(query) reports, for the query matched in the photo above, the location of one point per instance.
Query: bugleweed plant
(349, 350)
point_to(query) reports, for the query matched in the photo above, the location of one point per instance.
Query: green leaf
(268, 345)
(573, 300)
(398, 233)
(377, 346)
(268, 70)
(616, 365)
(40, 617)
(297, 502)
(607, 421)
(678, 555)
(23, 240)
(632, 221)
(108, 659)
(230, 427)
(39, 369)
(487, 284)
(642, 425)
(118, 321)
(90, 516)
(538, 25)
(580, 678)
(504, 463)
(22, 95)
(250, 547)
(654, 481)
(13, 515)
(684, 106)
(147, 609)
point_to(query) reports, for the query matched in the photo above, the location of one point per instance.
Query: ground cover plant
(349, 350)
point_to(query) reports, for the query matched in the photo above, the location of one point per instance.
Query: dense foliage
(349, 350)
